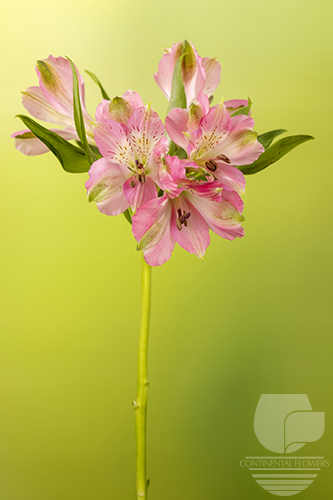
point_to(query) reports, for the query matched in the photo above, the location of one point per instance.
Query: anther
(185, 217)
(223, 158)
(182, 218)
(179, 224)
(139, 165)
(136, 162)
(142, 178)
(132, 184)
(211, 165)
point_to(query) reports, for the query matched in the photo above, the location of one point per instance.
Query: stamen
(223, 158)
(182, 218)
(211, 165)
(140, 166)
(136, 162)
(142, 178)
(132, 184)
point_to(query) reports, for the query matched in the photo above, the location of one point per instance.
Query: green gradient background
(253, 318)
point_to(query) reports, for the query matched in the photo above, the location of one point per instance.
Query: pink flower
(215, 141)
(52, 101)
(132, 152)
(185, 213)
(199, 74)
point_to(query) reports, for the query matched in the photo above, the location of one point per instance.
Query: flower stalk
(173, 181)
(140, 405)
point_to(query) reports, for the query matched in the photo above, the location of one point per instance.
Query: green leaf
(244, 110)
(94, 149)
(96, 80)
(181, 153)
(267, 138)
(127, 215)
(274, 153)
(71, 158)
(178, 96)
(78, 115)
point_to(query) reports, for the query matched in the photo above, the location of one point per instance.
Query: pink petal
(176, 124)
(138, 193)
(194, 237)
(193, 72)
(197, 112)
(230, 177)
(203, 101)
(38, 106)
(241, 146)
(145, 130)
(214, 128)
(171, 174)
(235, 104)
(222, 217)
(118, 109)
(156, 160)
(164, 75)
(234, 199)
(133, 99)
(113, 142)
(30, 145)
(105, 186)
(102, 112)
(241, 122)
(213, 75)
(211, 189)
(151, 229)
(56, 82)
(194, 81)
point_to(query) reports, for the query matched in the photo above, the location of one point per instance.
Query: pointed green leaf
(71, 158)
(94, 149)
(267, 138)
(78, 115)
(274, 153)
(96, 80)
(244, 110)
(178, 96)
(127, 215)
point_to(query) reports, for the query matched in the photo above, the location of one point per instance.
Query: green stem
(141, 401)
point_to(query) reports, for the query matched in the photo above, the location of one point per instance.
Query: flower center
(182, 219)
(140, 174)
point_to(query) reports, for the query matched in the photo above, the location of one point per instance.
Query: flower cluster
(178, 180)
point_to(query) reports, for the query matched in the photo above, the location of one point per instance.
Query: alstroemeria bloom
(185, 213)
(199, 74)
(52, 101)
(132, 152)
(215, 141)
